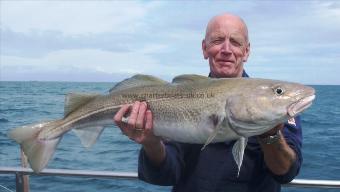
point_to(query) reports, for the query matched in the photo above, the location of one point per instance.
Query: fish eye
(279, 90)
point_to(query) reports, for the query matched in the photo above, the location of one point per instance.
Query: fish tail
(38, 151)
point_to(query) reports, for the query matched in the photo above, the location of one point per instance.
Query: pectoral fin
(210, 139)
(214, 121)
(238, 152)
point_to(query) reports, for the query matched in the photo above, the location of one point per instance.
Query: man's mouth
(224, 61)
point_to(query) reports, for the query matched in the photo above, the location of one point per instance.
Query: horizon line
(61, 81)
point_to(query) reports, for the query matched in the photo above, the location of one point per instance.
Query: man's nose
(226, 47)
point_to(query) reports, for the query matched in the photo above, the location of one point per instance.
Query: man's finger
(148, 121)
(133, 115)
(141, 115)
(120, 114)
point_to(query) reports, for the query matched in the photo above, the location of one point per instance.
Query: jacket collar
(244, 74)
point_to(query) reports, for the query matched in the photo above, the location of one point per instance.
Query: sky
(108, 41)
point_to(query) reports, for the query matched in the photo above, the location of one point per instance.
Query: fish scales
(191, 109)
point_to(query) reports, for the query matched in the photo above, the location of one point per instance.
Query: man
(269, 160)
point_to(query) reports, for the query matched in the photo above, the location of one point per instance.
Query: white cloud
(93, 60)
(163, 38)
(74, 17)
(84, 60)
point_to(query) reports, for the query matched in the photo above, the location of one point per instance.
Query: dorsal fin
(189, 78)
(137, 81)
(74, 100)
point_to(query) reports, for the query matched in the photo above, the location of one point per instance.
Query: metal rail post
(23, 179)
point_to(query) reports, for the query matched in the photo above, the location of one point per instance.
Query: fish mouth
(300, 105)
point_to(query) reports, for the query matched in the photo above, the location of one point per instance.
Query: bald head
(227, 20)
(226, 45)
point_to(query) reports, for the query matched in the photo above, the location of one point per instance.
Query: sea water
(29, 102)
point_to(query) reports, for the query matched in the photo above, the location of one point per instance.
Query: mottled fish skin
(183, 107)
(191, 109)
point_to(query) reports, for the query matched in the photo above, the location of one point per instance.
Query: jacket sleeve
(293, 135)
(168, 173)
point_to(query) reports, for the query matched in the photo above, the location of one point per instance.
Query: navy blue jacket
(187, 168)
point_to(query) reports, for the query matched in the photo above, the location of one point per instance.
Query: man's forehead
(226, 25)
(233, 33)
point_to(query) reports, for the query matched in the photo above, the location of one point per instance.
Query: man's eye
(235, 42)
(217, 41)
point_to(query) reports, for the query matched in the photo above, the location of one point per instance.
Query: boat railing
(22, 184)
(22, 179)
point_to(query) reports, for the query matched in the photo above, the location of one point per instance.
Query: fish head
(263, 104)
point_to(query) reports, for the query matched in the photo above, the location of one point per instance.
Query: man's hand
(139, 125)
(139, 128)
(272, 131)
(279, 157)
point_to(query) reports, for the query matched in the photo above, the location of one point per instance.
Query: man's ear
(204, 49)
(247, 52)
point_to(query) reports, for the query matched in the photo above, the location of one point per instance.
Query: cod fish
(190, 109)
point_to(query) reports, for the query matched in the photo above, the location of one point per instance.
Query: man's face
(226, 46)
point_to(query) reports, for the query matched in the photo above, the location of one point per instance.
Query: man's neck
(244, 74)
